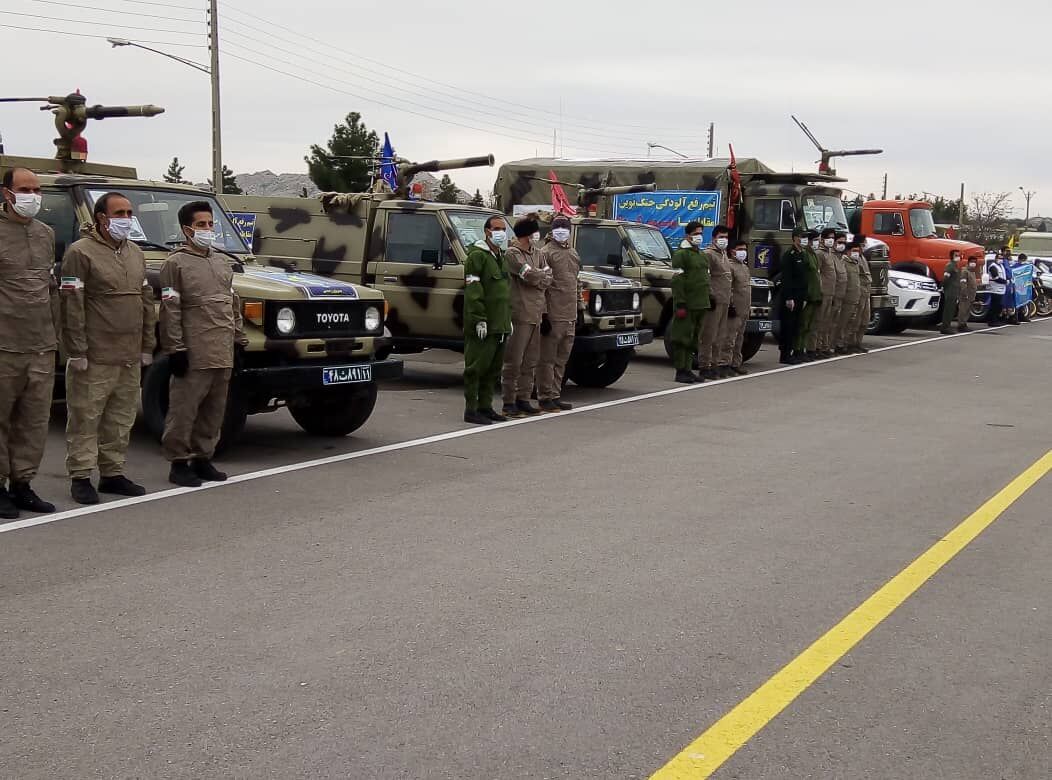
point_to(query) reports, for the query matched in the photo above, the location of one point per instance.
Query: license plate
(894, 300)
(628, 339)
(766, 325)
(345, 375)
(933, 304)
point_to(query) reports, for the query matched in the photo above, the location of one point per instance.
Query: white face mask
(562, 235)
(696, 239)
(721, 243)
(499, 238)
(536, 237)
(971, 265)
(840, 247)
(827, 242)
(741, 254)
(120, 228)
(204, 238)
(855, 255)
(27, 204)
(804, 243)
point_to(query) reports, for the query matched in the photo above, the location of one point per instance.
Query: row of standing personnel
(520, 316)
(102, 310)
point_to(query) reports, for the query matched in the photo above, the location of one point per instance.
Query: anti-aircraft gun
(407, 170)
(72, 113)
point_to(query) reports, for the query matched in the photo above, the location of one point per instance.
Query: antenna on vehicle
(827, 155)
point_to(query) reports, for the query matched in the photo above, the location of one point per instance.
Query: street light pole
(652, 145)
(1028, 196)
(217, 136)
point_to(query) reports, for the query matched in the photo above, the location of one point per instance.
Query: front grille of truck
(319, 319)
(614, 301)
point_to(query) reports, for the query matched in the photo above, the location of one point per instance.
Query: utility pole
(1028, 196)
(961, 211)
(712, 140)
(217, 136)
(884, 192)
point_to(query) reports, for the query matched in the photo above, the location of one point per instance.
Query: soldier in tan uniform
(714, 326)
(201, 328)
(848, 320)
(839, 290)
(28, 297)
(969, 288)
(529, 279)
(738, 313)
(865, 278)
(827, 273)
(563, 298)
(108, 321)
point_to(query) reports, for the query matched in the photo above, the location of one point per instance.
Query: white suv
(916, 300)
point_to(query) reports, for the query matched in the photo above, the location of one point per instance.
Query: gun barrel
(598, 192)
(411, 169)
(106, 112)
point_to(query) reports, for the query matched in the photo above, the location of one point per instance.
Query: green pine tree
(229, 183)
(447, 190)
(346, 163)
(477, 200)
(174, 174)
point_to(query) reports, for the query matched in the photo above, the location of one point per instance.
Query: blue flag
(388, 171)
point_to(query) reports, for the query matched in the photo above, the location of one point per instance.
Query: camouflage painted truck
(414, 251)
(312, 341)
(772, 204)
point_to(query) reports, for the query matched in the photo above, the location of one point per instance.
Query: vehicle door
(889, 228)
(419, 274)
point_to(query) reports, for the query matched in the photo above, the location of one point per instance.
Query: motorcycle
(1043, 287)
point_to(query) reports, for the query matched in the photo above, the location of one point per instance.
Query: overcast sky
(951, 91)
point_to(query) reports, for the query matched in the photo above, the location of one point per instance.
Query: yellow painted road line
(724, 738)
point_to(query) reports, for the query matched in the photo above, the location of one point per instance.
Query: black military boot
(685, 377)
(205, 470)
(475, 417)
(181, 474)
(511, 411)
(726, 372)
(83, 492)
(740, 370)
(527, 408)
(563, 405)
(24, 498)
(8, 510)
(120, 485)
(495, 416)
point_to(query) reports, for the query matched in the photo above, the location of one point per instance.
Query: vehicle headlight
(286, 320)
(906, 284)
(635, 300)
(598, 303)
(372, 318)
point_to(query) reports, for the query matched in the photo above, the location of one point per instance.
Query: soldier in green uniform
(794, 269)
(690, 299)
(807, 332)
(487, 321)
(951, 291)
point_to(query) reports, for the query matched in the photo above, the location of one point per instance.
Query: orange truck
(907, 227)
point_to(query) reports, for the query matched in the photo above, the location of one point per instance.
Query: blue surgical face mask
(805, 242)
(499, 238)
(120, 228)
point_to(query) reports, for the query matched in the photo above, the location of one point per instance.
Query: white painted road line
(31, 522)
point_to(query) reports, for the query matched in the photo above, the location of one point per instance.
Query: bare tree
(987, 215)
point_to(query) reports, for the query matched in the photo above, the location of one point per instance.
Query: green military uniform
(487, 298)
(690, 291)
(951, 294)
(806, 335)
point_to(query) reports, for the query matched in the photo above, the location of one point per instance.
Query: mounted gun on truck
(414, 251)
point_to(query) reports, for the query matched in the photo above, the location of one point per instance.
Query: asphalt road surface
(577, 596)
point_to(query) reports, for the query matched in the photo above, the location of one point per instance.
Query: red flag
(560, 202)
(736, 190)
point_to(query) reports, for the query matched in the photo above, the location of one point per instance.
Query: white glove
(77, 364)
(511, 328)
(481, 330)
(145, 359)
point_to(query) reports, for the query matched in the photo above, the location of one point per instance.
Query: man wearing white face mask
(714, 326)
(27, 341)
(563, 298)
(108, 323)
(201, 328)
(738, 313)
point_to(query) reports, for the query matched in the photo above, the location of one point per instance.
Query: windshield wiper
(152, 245)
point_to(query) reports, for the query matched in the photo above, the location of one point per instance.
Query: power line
(105, 24)
(110, 10)
(164, 5)
(89, 35)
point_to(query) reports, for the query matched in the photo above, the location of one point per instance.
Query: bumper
(609, 342)
(881, 302)
(279, 380)
(761, 326)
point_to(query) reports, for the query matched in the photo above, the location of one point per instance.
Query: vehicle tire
(598, 369)
(335, 413)
(751, 345)
(880, 322)
(1026, 313)
(155, 405)
(1044, 306)
(980, 311)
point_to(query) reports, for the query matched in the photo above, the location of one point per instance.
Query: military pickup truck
(414, 251)
(313, 341)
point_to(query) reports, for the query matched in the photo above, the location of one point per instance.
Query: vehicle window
(156, 219)
(598, 245)
(888, 223)
(650, 245)
(415, 238)
(921, 223)
(788, 221)
(822, 211)
(470, 226)
(58, 213)
(765, 215)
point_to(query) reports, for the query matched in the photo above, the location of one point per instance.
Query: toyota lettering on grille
(333, 318)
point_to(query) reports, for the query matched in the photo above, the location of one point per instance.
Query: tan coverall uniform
(827, 274)
(563, 297)
(969, 288)
(108, 317)
(865, 279)
(528, 284)
(201, 314)
(714, 326)
(839, 290)
(847, 324)
(741, 300)
(28, 318)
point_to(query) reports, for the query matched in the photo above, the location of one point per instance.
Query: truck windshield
(650, 245)
(470, 225)
(156, 219)
(822, 211)
(921, 223)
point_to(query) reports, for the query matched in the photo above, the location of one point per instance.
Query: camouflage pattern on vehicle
(320, 362)
(772, 203)
(414, 251)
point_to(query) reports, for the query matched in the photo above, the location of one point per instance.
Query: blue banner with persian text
(670, 210)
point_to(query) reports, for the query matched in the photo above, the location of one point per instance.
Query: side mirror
(617, 261)
(433, 257)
